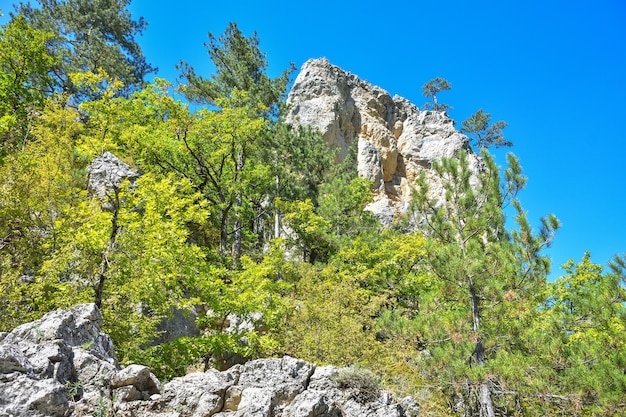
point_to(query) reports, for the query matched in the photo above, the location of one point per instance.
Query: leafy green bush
(330, 319)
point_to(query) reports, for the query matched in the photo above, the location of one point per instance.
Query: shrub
(363, 382)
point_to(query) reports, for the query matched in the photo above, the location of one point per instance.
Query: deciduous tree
(24, 81)
(39, 185)
(216, 149)
(582, 329)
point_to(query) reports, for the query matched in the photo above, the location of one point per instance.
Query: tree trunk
(479, 350)
(237, 232)
(484, 397)
(104, 263)
(224, 233)
(276, 211)
(486, 405)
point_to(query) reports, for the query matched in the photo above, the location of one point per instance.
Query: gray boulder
(106, 174)
(63, 365)
(52, 366)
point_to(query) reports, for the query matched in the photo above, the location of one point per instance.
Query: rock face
(106, 174)
(63, 365)
(55, 364)
(395, 140)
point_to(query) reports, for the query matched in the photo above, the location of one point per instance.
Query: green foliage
(102, 409)
(488, 277)
(239, 65)
(151, 268)
(300, 161)
(24, 66)
(343, 205)
(318, 232)
(311, 232)
(459, 315)
(387, 263)
(41, 184)
(89, 36)
(74, 390)
(241, 308)
(583, 327)
(59, 244)
(155, 267)
(337, 308)
(430, 91)
(216, 151)
(330, 318)
(482, 133)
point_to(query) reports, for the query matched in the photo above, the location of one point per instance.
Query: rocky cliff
(63, 365)
(396, 141)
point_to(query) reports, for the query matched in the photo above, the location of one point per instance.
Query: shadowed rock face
(63, 365)
(395, 140)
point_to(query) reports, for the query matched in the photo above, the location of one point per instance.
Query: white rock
(106, 174)
(396, 140)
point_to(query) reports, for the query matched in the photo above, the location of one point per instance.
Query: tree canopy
(90, 35)
(239, 65)
(24, 81)
(430, 91)
(483, 134)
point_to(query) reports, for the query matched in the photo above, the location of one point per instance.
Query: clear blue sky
(554, 70)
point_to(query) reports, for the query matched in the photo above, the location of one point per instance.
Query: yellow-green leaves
(330, 319)
(584, 323)
(310, 231)
(215, 149)
(40, 185)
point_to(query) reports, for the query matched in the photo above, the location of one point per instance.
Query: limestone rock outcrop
(56, 363)
(395, 140)
(63, 365)
(106, 174)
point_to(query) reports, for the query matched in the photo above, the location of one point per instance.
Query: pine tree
(239, 65)
(484, 270)
(431, 89)
(90, 36)
(213, 148)
(482, 133)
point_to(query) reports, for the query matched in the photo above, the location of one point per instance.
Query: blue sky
(554, 70)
